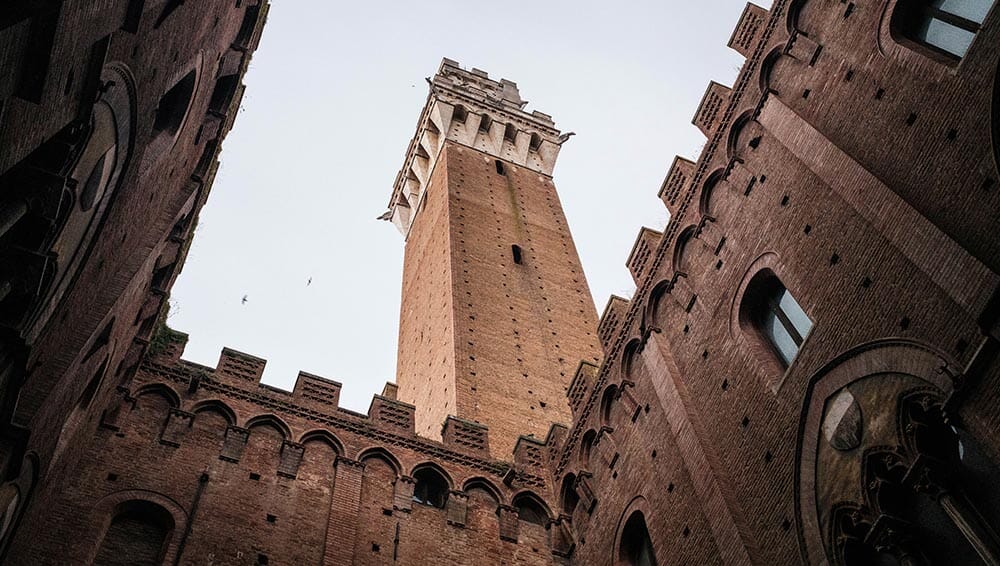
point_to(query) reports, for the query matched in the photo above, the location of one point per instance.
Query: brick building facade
(806, 373)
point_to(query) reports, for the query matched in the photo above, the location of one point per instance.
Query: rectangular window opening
(516, 252)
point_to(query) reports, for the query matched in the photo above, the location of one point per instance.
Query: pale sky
(333, 95)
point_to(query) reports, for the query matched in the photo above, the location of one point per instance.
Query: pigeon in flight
(310, 282)
(244, 300)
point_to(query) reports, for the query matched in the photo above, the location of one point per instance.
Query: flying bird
(244, 300)
(310, 282)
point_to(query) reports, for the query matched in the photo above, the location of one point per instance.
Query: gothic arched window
(430, 488)
(776, 316)
(946, 26)
(635, 547)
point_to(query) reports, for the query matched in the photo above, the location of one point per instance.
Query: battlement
(238, 373)
(642, 252)
(473, 110)
(611, 319)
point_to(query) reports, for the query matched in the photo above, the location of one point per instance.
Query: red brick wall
(504, 354)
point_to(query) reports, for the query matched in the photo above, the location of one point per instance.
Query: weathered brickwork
(808, 371)
(111, 119)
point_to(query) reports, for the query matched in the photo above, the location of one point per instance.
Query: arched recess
(484, 485)
(629, 360)
(215, 406)
(767, 68)
(655, 312)
(682, 252)
(380, 453)
(630, 532)
(849, 411)
(428, 465)
(608, 400)
(325, 436)
(708, 200)
(531, 508)
(568, 497)
(735, 133)
(586, 449)
(272, 421)
(81, 412)
(162, 390)
(105, 510)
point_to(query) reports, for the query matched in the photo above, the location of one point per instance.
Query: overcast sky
(333, 95)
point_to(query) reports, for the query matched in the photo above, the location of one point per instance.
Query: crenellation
(614, 315)
(645, 245)
(709, 114)
(748, 29)
(392, 414)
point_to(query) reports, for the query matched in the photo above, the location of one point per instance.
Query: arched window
(586, 447)
(946, 26)
(430, 488)
(137, 535)
(570, 499)
(776, 315)
(635, 548)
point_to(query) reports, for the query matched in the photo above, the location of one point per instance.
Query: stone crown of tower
(471, 109)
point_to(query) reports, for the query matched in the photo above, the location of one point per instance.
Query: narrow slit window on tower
(461, 114)
(501, 170)
(173, 106)
(516, 252)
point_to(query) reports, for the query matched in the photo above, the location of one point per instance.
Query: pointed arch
(162, 390)
(708, 189)
(272, 421)
(215, 406)
(607, 403)
(382, 454)
(767, 67)
(428, 465)
(586, 449)
(528, 501)
(568, 497)
(680, 247)
(628, 359)
(656, 295)
(733, 138)
(324, 436)
(484, 484)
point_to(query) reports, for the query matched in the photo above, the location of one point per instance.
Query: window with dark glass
(946, 26)
(777, 316)
(430, 488)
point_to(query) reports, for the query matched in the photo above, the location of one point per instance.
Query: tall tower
(496, 313)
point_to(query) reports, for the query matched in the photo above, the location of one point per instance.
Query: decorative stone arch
(486, 485)
(381, 453)
(657, 294)
(526, 496)
(681, 251)
(629, 358)
(568, 497)
(325, 436)
(608, 398)
(736, 130)
(107, 507)
(161, 389)
(585, 451)
(638, 504)
(870, 360)
(708, 188)
(272, 421)
(767, 67)
(215, 406)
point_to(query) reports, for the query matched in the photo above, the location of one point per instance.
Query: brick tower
(496, 313)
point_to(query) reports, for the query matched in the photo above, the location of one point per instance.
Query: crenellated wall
(255, 471)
